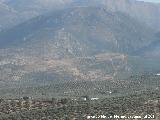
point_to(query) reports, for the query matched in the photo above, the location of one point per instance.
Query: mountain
(95, 27)
(9, 15)
(144, 12)
(18, 11)
(78, 43)
(81, 41)
(148, 13)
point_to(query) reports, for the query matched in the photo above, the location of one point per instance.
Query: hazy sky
(157, 1)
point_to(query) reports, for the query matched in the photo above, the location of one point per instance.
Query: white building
(94, 98)
(158, 74)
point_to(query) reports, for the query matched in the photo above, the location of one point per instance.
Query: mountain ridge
(77, 43)
(147, 13)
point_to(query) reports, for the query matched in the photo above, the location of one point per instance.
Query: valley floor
(143, 106)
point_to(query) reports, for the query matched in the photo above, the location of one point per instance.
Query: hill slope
(89, 43)
(95, 27)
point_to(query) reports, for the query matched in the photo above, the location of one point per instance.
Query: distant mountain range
(90, 27)
(17, 11)
(78, 40)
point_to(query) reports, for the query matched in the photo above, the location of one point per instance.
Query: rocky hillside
(84, 41)
(92, 28)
